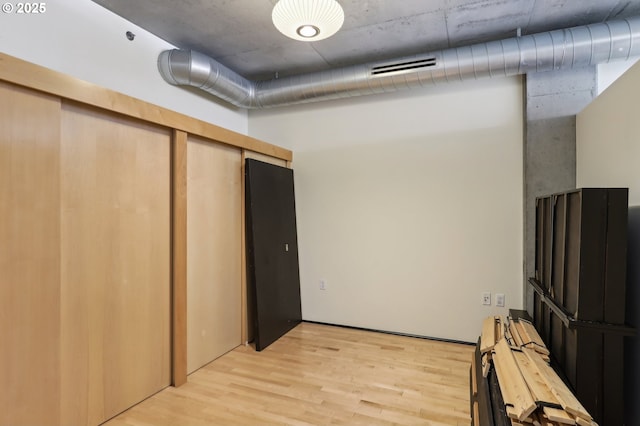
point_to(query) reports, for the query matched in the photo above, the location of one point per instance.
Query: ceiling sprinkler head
(130, 35)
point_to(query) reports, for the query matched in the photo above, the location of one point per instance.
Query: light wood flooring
(321, 375)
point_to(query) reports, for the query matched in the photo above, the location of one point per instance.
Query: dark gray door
(273, 277)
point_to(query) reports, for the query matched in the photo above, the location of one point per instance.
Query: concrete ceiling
(240, 34)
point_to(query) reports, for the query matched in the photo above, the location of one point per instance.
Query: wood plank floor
(321, 375)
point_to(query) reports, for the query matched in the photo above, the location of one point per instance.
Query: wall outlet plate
(486, 298)
(500, 299)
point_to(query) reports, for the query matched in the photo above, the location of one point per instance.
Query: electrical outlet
(500, 299)
(323, 284)
(486, 298)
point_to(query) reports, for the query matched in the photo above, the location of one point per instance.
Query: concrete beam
(552, 101)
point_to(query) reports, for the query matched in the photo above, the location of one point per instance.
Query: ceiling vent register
(399, 67)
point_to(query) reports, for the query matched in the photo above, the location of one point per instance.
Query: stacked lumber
(532, 391)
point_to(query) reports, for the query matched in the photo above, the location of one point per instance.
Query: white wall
(409, 205)
(82, 39)
(608, 155)
(608, 134)
(610, 72)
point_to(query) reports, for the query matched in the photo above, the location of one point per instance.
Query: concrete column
(552, 101)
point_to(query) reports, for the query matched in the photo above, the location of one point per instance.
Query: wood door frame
(178, 258)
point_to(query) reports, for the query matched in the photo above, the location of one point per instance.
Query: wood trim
(243, 259)
(45, 80)
(179, 257)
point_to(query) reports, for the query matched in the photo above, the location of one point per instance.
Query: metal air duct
(554, 50)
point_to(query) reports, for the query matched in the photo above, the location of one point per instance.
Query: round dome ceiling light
(308, 20)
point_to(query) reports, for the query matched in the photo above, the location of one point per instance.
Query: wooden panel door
(272, 250)
(264, 158)
(29, 257)
(248, 302)
(115, 228)
(214, 227)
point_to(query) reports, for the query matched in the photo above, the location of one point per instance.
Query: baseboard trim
(395, 333)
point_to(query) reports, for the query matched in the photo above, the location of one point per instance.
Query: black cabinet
(581, 246)
(273, 278)
(579, 292)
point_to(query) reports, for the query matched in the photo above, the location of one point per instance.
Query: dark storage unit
(273, 278)
(581, 241)
(579, 298)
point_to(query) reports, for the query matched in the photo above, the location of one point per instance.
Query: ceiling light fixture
(308, 20)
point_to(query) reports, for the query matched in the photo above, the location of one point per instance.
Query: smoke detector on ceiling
(308, 20)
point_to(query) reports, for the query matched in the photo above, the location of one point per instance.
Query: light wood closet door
(214, 229)
(115, 227)
(29, 257)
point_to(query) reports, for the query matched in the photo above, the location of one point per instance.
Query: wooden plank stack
(532, 391)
